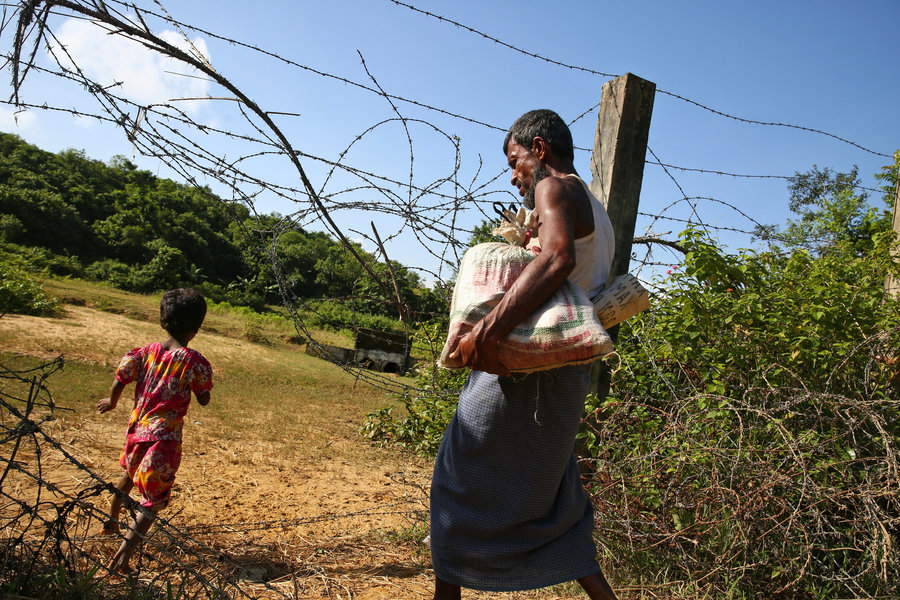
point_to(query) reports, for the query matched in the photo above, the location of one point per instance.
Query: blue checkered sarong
(508, 510)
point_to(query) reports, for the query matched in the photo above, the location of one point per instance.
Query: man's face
(527, 171)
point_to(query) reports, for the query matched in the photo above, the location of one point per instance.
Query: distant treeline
(113, 222)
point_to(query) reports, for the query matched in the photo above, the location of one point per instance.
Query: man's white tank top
(594, 252)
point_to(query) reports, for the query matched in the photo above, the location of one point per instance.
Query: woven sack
(623, 298)
(564, 330)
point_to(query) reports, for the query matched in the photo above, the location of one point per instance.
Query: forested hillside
(73, 215)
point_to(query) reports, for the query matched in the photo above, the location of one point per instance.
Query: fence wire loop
(776, 499)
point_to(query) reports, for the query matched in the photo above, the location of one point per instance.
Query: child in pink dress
(165, 374)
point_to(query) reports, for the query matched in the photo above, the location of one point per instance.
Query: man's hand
(105, 405)
(480, 356)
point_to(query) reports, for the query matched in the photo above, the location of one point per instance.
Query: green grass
(101, 296)
(268, 398)
(273, 328)
(272, 388)
(74, 387)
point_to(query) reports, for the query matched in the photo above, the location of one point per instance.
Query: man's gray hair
(545, 124)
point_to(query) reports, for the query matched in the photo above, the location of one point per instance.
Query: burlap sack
(564, 330)
(623, 298)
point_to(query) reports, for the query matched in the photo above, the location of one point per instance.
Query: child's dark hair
(182, 311)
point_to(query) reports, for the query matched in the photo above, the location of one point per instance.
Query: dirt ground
(344, 521)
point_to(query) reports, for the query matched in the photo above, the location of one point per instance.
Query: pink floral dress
(164, 380)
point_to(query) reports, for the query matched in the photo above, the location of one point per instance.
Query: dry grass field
(275, 475)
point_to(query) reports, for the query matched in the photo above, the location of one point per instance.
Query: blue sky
(829, 66)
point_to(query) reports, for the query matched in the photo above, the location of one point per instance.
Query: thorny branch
(61, 529)
(50, 522)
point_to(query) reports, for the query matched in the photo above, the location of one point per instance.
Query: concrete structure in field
(334, 354)
(383, 351)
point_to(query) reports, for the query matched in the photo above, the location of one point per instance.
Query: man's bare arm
(554, 205)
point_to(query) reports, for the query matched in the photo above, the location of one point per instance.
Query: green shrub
(428, 410)
(252, 331)
(165, 271)
(20, 293)
(109, 270)
(428, 407)
(40, 260)
(11, 228)
(336, 317)
(751, 441)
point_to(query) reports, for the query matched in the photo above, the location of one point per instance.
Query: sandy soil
(344, 524)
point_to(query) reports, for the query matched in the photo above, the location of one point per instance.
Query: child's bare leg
(124, 485)
(133, 537)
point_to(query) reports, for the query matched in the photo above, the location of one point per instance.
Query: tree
(834, 215)
(42, 218)
(141, 232)
(117, 217)
(299, 253)
(482, 233)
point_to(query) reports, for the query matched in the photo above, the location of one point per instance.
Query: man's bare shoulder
(561, 189)
(560, 186)
(566, 197)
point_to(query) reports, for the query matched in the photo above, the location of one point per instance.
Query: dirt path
(276, 495)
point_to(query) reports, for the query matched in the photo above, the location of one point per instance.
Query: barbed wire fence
(47, 524)
(787, 487)
(50, 523)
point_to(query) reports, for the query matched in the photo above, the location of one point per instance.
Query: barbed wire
(745, 491)
(392, 97)
(158, 131)
(59, 533)
(501, 42)
(591, 71)
(43, 531)
(324, 74)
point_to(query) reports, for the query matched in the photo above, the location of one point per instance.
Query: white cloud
(146, 77)
(13, 120)
(363, 243)
(85, 122)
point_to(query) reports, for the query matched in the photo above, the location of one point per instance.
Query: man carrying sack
(508, 510)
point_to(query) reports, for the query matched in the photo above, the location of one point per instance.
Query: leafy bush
(109, 270)
(11, 228)
(20, 293)
(164, 271)
(429, 405)
(428, 410)
(751, 444)
(334, 316)
(40, 260)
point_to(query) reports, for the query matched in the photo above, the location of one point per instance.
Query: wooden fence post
(617, 169)
(892, 284)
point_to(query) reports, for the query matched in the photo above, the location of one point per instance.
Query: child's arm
(115, 392)
(203, 397)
